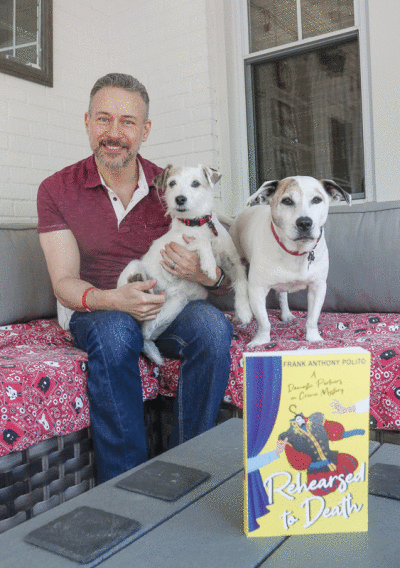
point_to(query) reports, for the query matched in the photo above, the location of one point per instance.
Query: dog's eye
(172, 183)
(287, 201)
(195, 183)
(316, 200)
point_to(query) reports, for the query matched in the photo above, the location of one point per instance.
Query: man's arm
(63, 263)
(187, 264)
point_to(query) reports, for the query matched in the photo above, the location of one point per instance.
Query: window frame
(43, 76)
(358, 31)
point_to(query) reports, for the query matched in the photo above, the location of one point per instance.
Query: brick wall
(167, 44)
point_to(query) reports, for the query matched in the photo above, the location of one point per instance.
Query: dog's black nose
(304, 223)
(180, 199)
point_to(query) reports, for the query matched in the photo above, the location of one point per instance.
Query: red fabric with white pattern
(43, 376)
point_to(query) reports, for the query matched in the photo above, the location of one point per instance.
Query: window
(26, 40)
(304, 92)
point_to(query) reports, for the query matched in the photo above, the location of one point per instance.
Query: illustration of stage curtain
(263, 391)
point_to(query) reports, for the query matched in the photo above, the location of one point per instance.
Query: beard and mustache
(114, 143)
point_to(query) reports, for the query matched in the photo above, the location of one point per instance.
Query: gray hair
(121, 81)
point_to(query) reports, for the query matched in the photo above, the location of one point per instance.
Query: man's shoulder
(79, 172)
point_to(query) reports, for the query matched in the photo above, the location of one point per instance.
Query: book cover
(306, 441)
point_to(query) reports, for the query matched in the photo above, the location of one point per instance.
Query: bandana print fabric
(377, 333)
(43, 375)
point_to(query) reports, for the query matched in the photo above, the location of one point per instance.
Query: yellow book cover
(306, 426)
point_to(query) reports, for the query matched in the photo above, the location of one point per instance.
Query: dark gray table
(379, 548)
(205, 527)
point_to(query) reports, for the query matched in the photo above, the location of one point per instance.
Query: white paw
(287, 316)
(245, 314)
(313, 335)
(210, 271)
(259, 339)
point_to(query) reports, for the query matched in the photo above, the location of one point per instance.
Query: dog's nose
(304, 223)
(180, 199)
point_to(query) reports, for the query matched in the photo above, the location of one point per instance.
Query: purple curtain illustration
(263, 392)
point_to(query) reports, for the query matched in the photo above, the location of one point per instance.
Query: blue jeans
(200, 337)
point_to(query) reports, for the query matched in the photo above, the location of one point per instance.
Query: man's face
(116, 126)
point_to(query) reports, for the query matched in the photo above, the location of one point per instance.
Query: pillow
(25, 290)
(364, 267)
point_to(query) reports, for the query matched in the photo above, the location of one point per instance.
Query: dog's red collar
(198, 222)
(311, 255)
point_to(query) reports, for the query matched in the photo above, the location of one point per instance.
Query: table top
(378, 548)
(205, 527)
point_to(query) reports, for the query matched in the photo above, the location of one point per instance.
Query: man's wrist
(218, 282)
(84, 298)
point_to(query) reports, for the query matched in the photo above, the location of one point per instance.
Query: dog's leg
(206, 257)
(242, 304)
(315, 300)
(286, 314)
(237, 275)
(257, 297)
(151, 350)
(133, 272)
(172, 306)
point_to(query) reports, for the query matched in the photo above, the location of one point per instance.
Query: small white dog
(189, 198)
(284, 243)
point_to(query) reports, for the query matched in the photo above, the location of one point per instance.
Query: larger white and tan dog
(283, 241)
(189, 198)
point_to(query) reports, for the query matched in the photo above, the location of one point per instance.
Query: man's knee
(212, 328)
(118, 330)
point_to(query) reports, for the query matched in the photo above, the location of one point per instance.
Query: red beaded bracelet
(85, 293)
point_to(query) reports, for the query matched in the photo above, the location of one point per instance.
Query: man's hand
(181, 262)
(136, 300)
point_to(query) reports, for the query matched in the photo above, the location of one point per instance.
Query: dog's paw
(313, 335)
(287, 316)
(259, 339)
(244, 314)
(210, 271)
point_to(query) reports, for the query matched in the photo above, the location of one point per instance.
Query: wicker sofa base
(41, 477)
(49, 473)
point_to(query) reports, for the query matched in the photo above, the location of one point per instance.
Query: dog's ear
(160, 180)
(335, 192)
(212, 175)
(264, 194)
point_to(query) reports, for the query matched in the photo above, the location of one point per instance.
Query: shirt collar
(146, 174)
(92, 174)
(141, 190)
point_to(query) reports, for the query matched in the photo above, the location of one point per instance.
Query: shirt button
(115, 198)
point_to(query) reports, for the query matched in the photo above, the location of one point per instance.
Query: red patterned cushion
(42, 384)
(378, 333)
(43, 376)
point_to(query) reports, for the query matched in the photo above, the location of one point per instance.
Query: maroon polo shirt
(75, 199)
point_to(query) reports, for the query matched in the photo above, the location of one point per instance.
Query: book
(306, 441)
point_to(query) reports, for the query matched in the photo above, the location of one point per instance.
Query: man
(94, 217)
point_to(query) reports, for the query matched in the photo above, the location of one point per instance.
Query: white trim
(230, 21)
(359, 30)
(299, 23)
(242, 147)
(233, 137)
(294, 46)
(361, 16)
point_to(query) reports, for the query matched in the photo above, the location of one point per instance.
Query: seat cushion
(43, 375)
